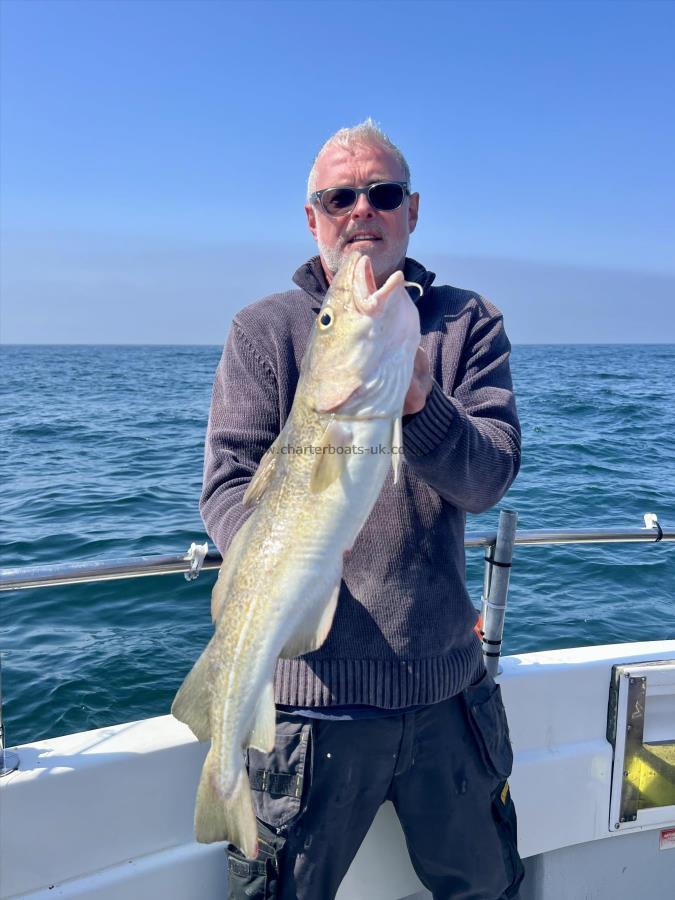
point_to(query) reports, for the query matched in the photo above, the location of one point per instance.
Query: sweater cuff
(428, 428)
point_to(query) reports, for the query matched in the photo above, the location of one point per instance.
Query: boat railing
(498, 549)
(198, 558)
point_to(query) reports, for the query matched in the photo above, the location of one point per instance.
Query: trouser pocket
(280, 783)
(256, 879)
(487, 720)
(280, 779)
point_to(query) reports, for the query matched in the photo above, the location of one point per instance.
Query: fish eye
(326, 318)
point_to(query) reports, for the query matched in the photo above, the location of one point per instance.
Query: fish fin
(263, 733)
(327, 616)
(263, 474)
(312, 634)
(222, 585)
(332, 393)
(396, 446)
(192, 703)
(330, 466)
(230, 818)
(262, 477)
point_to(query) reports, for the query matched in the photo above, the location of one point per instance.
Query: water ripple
(109, 464)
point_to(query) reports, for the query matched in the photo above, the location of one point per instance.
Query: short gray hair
(367, 132)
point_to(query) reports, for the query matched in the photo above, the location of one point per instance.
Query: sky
(154, 157)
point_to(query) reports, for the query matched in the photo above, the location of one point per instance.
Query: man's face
(338, 236)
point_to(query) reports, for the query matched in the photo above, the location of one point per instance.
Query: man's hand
(420, 385)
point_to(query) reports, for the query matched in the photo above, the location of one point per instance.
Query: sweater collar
(312, 279)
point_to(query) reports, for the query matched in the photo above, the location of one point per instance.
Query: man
(396, 704)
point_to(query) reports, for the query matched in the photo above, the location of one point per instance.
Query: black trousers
(444, 768)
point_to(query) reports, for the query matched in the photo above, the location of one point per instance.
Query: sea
(102, 450)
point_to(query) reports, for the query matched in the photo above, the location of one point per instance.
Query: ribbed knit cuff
(429, 427)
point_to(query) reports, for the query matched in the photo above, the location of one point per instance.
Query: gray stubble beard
(383, 264)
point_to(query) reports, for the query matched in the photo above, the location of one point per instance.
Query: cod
(278, 586)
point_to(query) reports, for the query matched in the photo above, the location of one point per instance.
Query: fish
(277, 589)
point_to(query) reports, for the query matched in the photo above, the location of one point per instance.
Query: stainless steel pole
(21, 578)
(487, 579)
(9, 761)
(497, 581)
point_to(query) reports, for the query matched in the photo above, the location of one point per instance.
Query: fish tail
(230, 817)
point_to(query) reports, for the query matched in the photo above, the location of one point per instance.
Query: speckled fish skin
(277, 589)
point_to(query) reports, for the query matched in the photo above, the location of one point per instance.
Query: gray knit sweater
(403, 629)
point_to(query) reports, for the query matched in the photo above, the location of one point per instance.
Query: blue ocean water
(102, 457)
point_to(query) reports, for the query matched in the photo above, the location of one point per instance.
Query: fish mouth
(368, 298)
(364, 278)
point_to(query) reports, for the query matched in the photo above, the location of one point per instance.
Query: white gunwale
(108, 813)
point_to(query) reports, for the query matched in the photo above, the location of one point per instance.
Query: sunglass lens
(338, 201)
(386, 196)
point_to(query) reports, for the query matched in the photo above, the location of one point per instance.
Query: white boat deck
(107, 814)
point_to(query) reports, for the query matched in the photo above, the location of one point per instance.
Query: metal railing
(498, 546)
(19, 578)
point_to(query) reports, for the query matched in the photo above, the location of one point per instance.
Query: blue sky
(154, 157)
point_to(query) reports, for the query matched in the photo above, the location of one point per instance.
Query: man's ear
(413, 211)
(311, 218)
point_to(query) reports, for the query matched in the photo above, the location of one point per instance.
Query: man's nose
(362, 209)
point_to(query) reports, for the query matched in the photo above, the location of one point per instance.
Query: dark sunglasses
(384, 196)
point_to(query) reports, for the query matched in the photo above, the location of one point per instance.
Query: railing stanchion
(487, 579)
(497, 572)
(8, 761)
